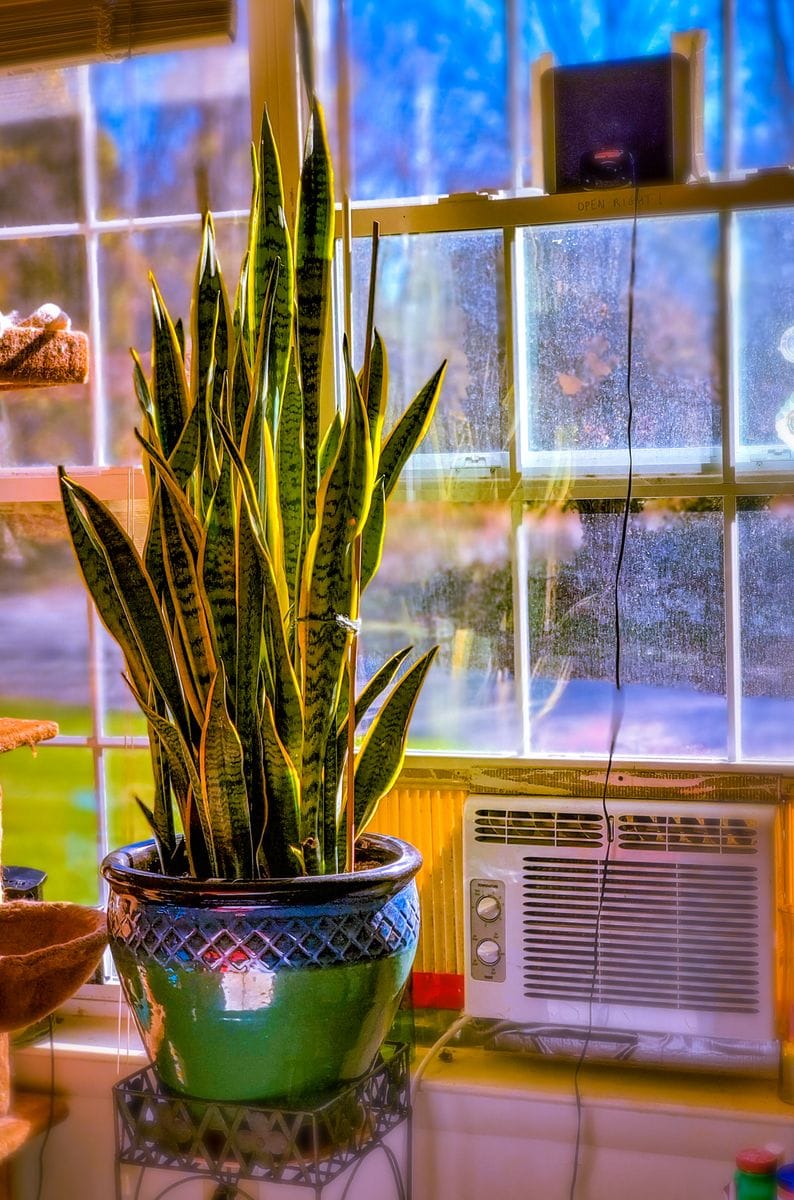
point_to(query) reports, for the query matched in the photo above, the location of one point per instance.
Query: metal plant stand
(234, 1143)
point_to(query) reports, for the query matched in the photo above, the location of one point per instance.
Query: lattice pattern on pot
(238, 940)
(233, 1141)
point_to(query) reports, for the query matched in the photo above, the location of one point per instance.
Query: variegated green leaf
(330, 443)
(190, 603)
(313, 255)
(169, 385)
(374, 533)
(223, 790)
(217, 567)
(377, 393)
(101, 584)
(270, 243)
(134, 588)
(380, 759)
(376, 686)
(283, 788)
(409, 431)
(289, 470)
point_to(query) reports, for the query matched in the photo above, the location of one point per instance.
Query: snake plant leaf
(217, 568)
(369, 694)
(245, 480)
(223, 792)
(283, 789)
(374, 533)
(185, 454)
(205, 327)
(136, 594)
(325, 605)
(284, 687)
(380, 759)
(191, 526)
(377, 393)
(101, 584)
(361, 467)
(169, 385)
(250, 611)
(240, 392)
(179, 330)
(330, 443)
(141, 387)
(184, 778)
(289, 472)
(313, 255)
(187, 592)
(256, 417)
(270, 246)
(409, 430)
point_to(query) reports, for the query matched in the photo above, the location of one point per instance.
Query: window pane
(173, 131)
(124, 263)
(577, 341)
(764, 82)
(766, 569)
(428, 96)
(43, 426)
(441, 296)
(128, 773)
(43, 619)
(672, 628)
(764, 337)
(40, 124)
(446, 578)
(49, 818)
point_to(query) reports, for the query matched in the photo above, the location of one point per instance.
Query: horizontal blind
(39, 32)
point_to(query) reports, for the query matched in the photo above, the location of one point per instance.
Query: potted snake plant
(258, 964)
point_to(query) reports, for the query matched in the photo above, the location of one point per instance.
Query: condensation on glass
(672, 628)
(575, 343)
(441, 296)
(766, 570)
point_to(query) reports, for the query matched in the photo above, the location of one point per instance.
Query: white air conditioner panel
(685, 933)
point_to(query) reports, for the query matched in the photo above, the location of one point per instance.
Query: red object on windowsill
(430, 989)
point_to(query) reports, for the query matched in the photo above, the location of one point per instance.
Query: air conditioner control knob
(489, 952)
(488, 908)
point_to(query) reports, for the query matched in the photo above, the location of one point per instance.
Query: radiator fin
(671, 934)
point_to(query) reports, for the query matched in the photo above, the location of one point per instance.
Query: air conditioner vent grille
(519, 827)
(687, 833)
(671, 935)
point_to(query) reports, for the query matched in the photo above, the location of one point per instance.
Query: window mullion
(727, 378)
(88, 147)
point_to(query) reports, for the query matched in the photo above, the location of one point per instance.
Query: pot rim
(400, 863)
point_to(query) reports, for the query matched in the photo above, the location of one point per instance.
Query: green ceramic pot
(277, 990)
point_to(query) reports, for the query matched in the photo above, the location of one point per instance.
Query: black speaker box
(607, 124)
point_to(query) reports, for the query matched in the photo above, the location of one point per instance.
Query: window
(106, 169)
(502, 540)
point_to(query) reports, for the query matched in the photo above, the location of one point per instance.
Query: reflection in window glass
(764, 83)
(766, 569)
(173, 131)
(124, 263)
(576, 338)
(429, 97)
(764, 336)
(43, 619)
(50, 818)
(440, 296)
(40, 136)
(446, 579)
(672, 628)
(43, 426)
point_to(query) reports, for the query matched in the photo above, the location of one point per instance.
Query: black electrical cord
(618, 704)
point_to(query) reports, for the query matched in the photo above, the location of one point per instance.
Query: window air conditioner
(686, 936)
